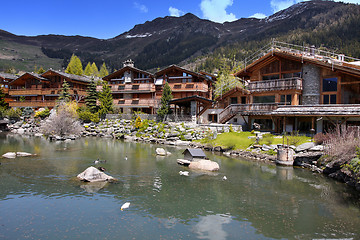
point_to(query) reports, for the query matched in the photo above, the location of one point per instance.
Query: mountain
(180, 40)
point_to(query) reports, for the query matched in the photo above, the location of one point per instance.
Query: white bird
(125, 205)
(184, 173)
(224, 178)
(97, 161)
(126, 158)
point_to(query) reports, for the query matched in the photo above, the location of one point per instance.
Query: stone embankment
(176, 134)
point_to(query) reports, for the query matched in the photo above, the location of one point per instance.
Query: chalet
(36, 91)
(5, 78)
(132, 89)
(138, 90)
(192, 92)
(292, 88)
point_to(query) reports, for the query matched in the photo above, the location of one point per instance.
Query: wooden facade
(5, 79)
(37, 91)
(288, 90)
(137, 90)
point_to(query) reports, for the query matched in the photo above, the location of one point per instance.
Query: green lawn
(240, 140)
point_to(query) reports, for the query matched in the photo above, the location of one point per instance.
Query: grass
(240, 140)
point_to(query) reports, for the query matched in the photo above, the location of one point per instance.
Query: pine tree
(91, 98)
(106, 100)
(3, 104)
(74, 66)
(88, 70)
(103, 71)
(65, 94)
(95, 70)
(165, 98)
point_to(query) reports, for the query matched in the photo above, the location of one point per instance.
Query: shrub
(342, 144)
(267, 139)
(85, 116)
(138, 122)
(294, 138)
(13, 113)
(231, 128)
(42, 114)
(320, 138)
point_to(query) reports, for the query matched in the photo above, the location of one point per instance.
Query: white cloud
(141, 7)
(215, 10)
(258, 15)
(278, 5)
(174, 12)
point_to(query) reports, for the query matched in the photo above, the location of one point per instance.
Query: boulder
(206, 165)
(305, 146)
(92, 174)
(317, 148)
(9, 155)
(23, 154)
(181, 143)
(161, 152)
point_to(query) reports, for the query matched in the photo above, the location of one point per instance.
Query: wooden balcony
(136, 102)
(247, 110)
(275, 85)
(132, 88)
(43, 91)
(34, 104)
(189, 87)
(5, 90)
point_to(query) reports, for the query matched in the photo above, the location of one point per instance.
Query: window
(264, 99)
(212, 118)
(271, 77)
(243, 100)
(329, 85)
(285, 99)
(233, 100)
(329, 99)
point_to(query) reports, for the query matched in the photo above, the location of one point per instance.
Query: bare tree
(62, 122)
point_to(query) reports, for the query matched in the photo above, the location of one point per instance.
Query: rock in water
(92, 174)
(206, 165)
(16, 154)
(9, 155)
(161, 151)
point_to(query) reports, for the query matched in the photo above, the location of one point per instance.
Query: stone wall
(311, 85)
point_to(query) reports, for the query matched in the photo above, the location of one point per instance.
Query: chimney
(129, 63)
(312, 50)
(341, 57)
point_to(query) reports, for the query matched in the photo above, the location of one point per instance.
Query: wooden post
(284, 124)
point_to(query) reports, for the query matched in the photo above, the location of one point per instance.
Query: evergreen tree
(41, 70)
(95, 70)
(106, 100)
(165, 98)
(3, 104)
(103, 71)
(65, 94)
(91, 98)
(88, 70)
(74, 66)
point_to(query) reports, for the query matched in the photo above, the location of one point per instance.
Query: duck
(125, 205)
(184, 173)
(101, 169)
(224, 178)
(126, 158)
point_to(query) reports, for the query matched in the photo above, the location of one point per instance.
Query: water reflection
(211, 227)
(261, 201)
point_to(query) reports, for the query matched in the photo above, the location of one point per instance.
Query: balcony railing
(34, 103)
(189, 87)
(275, 85)
(139, 87)
(136, 102)
(246, 110)
(43, 91)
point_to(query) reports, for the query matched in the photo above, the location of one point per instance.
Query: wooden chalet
(132, 89)
(292, 88)
(192, 92)
(137, 90)
(5, 79)
(36, 91)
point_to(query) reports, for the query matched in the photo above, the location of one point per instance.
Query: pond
(40, 197)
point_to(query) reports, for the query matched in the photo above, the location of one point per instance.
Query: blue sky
(108, 18)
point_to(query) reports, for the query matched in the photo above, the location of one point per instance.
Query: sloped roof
(326, 62)
(195, 152)
(8, 76)
(28, 75)
(164, 70)
(112, 75)
(318, 110)
(67, 75)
